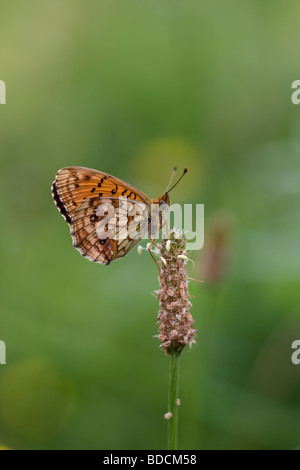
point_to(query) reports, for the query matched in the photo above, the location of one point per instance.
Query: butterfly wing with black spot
(106, 228)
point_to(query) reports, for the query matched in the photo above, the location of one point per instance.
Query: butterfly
(94, 204)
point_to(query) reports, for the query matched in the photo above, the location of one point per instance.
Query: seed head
(176, 324)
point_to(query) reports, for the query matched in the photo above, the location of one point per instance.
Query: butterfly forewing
(74, 184)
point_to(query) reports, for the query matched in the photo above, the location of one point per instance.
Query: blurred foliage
(134, 88)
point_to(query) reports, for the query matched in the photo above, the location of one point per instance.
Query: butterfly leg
(149, 249)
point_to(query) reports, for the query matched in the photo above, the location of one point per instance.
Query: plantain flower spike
(176, 324)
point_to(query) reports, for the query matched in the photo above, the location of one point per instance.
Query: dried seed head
(176, 324)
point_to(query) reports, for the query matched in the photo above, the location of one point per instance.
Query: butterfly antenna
(184, 172)
(171, 179)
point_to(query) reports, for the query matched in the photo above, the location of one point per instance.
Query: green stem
(173, 396)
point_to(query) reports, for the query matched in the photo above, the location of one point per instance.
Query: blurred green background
(133, 88)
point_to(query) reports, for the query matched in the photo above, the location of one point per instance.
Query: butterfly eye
(165, 200)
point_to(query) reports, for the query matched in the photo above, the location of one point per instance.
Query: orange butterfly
(83, 196)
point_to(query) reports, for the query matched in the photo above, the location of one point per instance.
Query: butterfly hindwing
(106, 228)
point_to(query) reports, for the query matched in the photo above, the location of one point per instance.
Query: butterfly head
(161, 200)
(165, 198)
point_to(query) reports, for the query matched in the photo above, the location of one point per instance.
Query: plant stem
(173, 396)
